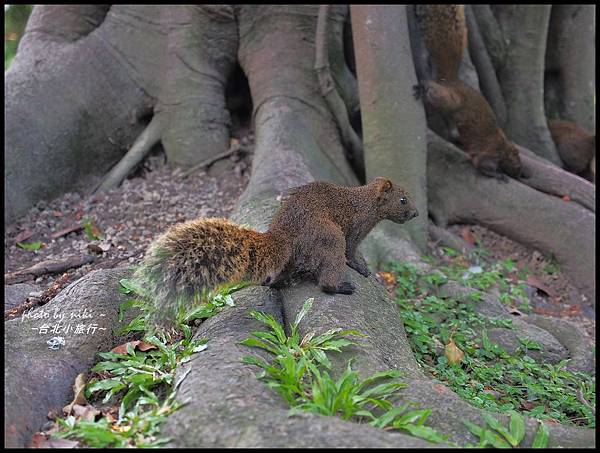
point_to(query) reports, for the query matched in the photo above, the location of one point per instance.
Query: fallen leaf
(513, 278)
(122, 348)
(467, 235)
(86, 412)
(536, 283)
(78, 390)
(38, 440)
(527, 405)
(453, 353)
(31, 246)
(545, 311)
(570, 310)
(95, 248)
(387, 277)
(143, 346)
(137, 344)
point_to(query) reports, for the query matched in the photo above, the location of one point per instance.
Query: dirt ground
(128, 218)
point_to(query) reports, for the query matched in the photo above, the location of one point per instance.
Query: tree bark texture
(570, 65)
(393, 121)
(521, 76)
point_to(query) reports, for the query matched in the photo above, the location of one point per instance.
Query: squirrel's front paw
(342, 288)
(419, 91)
(360, 268)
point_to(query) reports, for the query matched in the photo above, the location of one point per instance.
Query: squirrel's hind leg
(332, 249)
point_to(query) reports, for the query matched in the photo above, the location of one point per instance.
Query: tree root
(457, 194)
(446, 238)
(548, 178)
(46, 267)
(234, 148)
(582, 357)
(141, 147)
(351, 140)
(491, 34)
(40, 380)
(485, 69)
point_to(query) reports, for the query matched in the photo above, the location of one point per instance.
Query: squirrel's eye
(403, 200)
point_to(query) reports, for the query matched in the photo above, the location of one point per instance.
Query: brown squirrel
(316, 231)
(576, 147)
(444, 31)
(484, 142)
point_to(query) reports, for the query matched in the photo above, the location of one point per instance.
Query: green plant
(138, 380)
(90, 229)
(212, 303)
(30, 246)
(487, 376)
(15, 19)
(498, 436)
(298, 372)
(138, 427)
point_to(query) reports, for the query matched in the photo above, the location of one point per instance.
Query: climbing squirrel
(576, 146)
(485, 143)
(444, 32)
(316, 231)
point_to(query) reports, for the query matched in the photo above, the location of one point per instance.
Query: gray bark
(65, 128)
(488, 82)
(521, 76)
(570, 64)
(393, 121)
(132, 62)
(38, 379)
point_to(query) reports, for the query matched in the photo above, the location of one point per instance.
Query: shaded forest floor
(125, 220)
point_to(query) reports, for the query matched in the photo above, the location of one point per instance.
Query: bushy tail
(194, 257)
(444, 32)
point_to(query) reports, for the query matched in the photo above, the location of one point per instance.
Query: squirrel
(315, 231)
(484, 142)
(576, 147)
(444, 32)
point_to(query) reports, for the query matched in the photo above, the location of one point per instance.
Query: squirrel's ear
(383, 185)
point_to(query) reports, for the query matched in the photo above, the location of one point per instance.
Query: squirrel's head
(393, 202)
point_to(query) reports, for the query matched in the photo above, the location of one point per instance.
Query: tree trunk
(393, 121)
(67, 127)
(488, 82)
(522, 76)
(570, 70)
